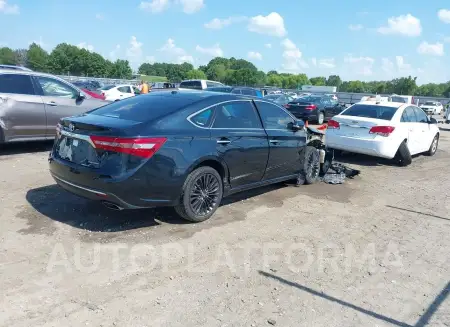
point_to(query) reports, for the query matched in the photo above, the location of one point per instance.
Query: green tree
(195, 74)
(334, 80)
(318, 81)
(7, 56)
(21, 57)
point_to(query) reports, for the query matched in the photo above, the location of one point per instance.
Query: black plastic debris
(337, 173)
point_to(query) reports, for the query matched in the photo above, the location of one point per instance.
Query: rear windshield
(428, 103)
(107, 87)
(195, 85)
(310, 99)
(370, 111)
(143, 108)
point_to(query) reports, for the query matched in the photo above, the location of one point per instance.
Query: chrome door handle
(274, 141)
(53, 104)
(223, 141)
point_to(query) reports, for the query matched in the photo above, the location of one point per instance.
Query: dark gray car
(31, 104)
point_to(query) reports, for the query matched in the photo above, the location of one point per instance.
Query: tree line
(69, 59)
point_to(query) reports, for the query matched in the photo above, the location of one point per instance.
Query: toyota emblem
(71, 127)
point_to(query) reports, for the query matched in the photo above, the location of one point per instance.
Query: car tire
(311, 165)
(433, 147)
(320, 118)
(403, 156)
(203, 181)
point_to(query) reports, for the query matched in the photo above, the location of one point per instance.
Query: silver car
(31, 104)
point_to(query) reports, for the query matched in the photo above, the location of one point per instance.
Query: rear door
(22, 112)
(285, 145)
(241, 141)
(62, 100)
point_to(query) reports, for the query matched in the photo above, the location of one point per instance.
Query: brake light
(140, 147)
(311, 107)
(382, 130)
(332, 124)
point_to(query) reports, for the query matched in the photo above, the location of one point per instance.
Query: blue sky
(366, 40)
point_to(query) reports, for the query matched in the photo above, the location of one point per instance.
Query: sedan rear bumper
(376, 147)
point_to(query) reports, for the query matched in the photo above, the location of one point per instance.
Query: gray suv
(31, 105)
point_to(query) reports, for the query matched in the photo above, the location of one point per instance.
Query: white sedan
(119, 92)
(432, 107)
(388, 130)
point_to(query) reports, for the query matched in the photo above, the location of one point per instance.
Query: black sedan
(185, 149)
(315, 108)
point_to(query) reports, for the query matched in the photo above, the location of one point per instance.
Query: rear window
(195, 85)
(428, 103)
(16, 84)
(399, 99)
(309, 99)
(143, 108)
(107, 87)
(370, 111)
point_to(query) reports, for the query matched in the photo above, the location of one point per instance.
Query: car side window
(124, 89)
(16, 84)
(203, 119)
(236, 91)
(236, 114)
(247, 92)
(273, 117)
(54, 88)
(420, 115)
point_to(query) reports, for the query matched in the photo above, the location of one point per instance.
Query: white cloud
(254, 55)
(154, 6)
(84, 45)
(406, 25)
(356, 27)
(134, 52)
(359, 65)
(436, 49)
(401, 64)
(292, 57)
(114, 53)
(387, 65)
(314, 61)
(327, 63)
(174, 53)
(272, 24)
(268, 45)
(214, 51)
(218, 23)
(100, 17)
(150, 59)
(444, 15)
(8, 9)
(191, 6)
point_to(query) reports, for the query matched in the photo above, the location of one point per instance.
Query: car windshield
(107, 87)
(370, 111)
(310, 99)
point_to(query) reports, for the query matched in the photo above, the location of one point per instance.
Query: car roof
(201, 95)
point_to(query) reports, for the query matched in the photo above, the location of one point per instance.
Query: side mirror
(81, 96)
(432, 121)
(297, 126)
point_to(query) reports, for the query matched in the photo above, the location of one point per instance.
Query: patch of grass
(153, 78)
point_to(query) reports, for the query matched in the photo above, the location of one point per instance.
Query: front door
(62, 100)
(285, 145)
(423, 128)
(410, 123)
(241, 141)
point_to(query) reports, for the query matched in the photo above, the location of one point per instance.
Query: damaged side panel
(22, 117)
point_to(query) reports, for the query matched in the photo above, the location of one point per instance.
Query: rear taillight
(332, 124)
(287, 106)
(382, 130)
(140, 147)
(311, 107)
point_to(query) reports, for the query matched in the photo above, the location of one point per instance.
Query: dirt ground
(374, 251)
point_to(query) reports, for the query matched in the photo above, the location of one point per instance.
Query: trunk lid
(357, 127)
(301, 107)
(74, 144)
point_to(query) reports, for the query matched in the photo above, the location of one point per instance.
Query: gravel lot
(374, 251)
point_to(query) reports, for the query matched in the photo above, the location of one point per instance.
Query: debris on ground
(341, 172)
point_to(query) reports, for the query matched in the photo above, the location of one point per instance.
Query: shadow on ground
(53, 202)
(25, 147)
(424, 319)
